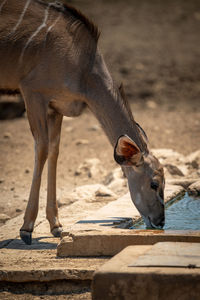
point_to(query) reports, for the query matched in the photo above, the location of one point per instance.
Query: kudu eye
(154, 185)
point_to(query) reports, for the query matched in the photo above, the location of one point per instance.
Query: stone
(4, 218)
(118, 185)
(151, 104)
(122, 277)
(82, 142)
(94, 127)
(184, 182)
(174, 170)
(116, 180)
(194, 189)
(90, 193)
(173, 191)
(68, 129)
(113, 175)
(91, 167)
(7, 135)
(168, 156)
(193, 159)
(103, 191)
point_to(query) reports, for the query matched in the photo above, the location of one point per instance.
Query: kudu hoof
(26, 237)
(57, 231)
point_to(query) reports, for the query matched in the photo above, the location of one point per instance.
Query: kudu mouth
(150, 224)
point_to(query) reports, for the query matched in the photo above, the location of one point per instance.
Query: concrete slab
(119, 213)
(117, 280)
(28, 267)
(39, 263)
(111, 242)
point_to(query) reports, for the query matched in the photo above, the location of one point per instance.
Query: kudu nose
(162, 222)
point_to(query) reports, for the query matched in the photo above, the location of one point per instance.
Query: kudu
(48, 51)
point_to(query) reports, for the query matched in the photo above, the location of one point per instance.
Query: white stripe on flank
(46, 14)
(52, 25)
(2, 4)
(21, 16)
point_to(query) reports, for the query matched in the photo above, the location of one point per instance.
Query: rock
(68, 129)
(108, 179)
(27, 171)
(117, 185)
(4, 218)
(174, 170)
(115, 180)
(169, 156)
(95, 127)
(91, 167)
(115, 174)
(184, 182)
(151, 104)
(7, 135)
(194, 189)
(193, 159)
(82, 142)
(174, 162)
(90, 193)
(65, 202)
(104, 192)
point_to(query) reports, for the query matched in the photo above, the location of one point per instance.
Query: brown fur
(92, 28)
(76, 16)
(57, 69)
(125, 101)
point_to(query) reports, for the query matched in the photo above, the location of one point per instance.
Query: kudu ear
(126, 152)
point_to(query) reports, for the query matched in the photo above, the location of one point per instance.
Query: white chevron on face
(22, 15)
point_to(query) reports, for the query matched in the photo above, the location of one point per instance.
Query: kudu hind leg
(36, 112)
(54, 129)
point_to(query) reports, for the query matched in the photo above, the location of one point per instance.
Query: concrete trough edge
(88, 241)
(110, 243)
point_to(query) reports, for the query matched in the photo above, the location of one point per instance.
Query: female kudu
(48, 51)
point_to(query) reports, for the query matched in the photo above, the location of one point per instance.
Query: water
(181, 214)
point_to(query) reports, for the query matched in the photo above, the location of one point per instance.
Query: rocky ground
(153, 47)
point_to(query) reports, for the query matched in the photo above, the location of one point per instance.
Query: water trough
(107, 232)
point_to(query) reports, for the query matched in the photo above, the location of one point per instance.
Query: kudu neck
(109, 108)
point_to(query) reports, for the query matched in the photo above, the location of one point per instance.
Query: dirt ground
(153, 48)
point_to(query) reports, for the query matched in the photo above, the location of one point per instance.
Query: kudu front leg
(36, 112)
(32, 206)
(54, 129)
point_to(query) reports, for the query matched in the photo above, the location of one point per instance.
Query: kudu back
(49, 52)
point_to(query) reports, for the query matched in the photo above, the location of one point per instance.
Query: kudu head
(145, 178)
